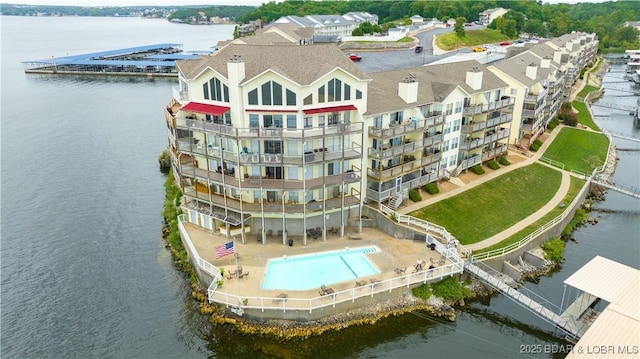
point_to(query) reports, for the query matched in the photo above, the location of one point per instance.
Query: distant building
(487, 16)
(417, 20)
(633, 24)
(330, 28)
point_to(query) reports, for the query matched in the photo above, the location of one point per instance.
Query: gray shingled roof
(516, 67)
(435, 82)
(302, 64)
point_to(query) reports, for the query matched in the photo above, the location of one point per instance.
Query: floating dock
(150, 60)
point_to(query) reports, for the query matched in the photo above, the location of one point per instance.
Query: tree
(627, 34)
(516, 16)
(535, 27)
(459, 26)
(357, 32)
(366, 27)
(510, 28)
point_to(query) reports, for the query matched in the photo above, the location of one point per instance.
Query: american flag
(224, 249)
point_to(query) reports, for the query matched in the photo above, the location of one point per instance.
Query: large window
(291, 98)
(254, 120)
(321, 94)
(456, 125)
(253, 97)
(447, 128)
(449, 109)
(307, 100)
(215, 90)
(458, 106)
(334, 90)
(291, 121)
(273, 147)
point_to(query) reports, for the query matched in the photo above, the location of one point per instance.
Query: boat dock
(149, 60)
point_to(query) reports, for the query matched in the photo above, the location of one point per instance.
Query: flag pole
(235, 254)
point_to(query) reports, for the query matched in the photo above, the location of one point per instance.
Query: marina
(149, 60)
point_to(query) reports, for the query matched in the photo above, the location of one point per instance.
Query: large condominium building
(540, 79)
(430, 122)
(270, 140)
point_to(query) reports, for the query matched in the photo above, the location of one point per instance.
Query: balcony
(239, 206)
(475, 142)
(407, 127)
(473, 110)
(268, 132)
(404, 168)
(418, 182)
(479, 126)
(494, 152)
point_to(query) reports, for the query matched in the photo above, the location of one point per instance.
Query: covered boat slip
(150, 60)
(616, 331)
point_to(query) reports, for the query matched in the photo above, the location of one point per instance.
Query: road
(385, 59)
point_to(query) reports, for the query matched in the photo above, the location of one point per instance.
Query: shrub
(422, 291)
(477, 169)
(535, 145)
(553, 124)
(431, 188)
(554, 250)
(450, 289)
(504, 161)
(493, 165)
(414, 195)
(393, 217)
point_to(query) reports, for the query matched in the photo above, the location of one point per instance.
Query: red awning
(204, 108)
(311, 111)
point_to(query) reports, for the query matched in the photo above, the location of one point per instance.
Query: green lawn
(584, 117)
(579, 150)
(574, 189)
(451, 40)
(494, 206)
(586, 90)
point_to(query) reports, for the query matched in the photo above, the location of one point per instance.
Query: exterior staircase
(395, 201)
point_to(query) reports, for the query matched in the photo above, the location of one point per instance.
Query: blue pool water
(313, 270)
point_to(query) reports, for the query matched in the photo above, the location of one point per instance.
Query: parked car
(505, 43)
(479, 49)
(419, 49)
(354, 57)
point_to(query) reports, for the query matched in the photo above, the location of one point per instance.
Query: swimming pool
(313, 270)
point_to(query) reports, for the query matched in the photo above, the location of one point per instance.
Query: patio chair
(361, 283)
(242, 275)
(400, 270)
(230, 274)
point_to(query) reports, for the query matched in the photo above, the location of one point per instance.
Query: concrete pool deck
(254, 257)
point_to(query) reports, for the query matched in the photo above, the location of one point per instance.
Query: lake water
(84, 271)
